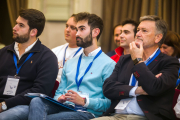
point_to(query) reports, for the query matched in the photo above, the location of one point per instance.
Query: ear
(33, 32)
(95, 32)
(158, 37)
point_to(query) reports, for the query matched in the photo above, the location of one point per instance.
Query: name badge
(11, 85)
(123, 103)
(79, 107)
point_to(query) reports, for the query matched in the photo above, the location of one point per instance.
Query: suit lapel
(155, 61)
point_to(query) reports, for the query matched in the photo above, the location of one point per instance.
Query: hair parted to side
(94, 21)
(161, 25)
(36, 19)
(173, 39)
(132, 22)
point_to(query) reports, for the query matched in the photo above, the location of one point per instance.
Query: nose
(162, 50)
(68, 28)
(15, 27)
(121, 35)
(77, 34)
(138, 33)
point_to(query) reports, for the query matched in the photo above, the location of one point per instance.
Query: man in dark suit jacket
(142, 83)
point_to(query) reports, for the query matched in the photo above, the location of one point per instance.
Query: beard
(86, 42)
(21, 38)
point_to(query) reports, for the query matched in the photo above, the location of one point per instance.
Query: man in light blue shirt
(82, 77)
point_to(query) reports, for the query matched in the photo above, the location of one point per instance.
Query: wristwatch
(3, 106)
(85, 100)
(135, 61)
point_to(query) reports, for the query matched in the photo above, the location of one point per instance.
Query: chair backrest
(55, 88)
(176, 94)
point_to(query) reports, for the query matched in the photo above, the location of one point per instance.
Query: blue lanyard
(15, 61)
(133, 78)
(73, 56)
(87, 69)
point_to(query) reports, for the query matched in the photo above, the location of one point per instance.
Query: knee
(35, 101)
(16, 113)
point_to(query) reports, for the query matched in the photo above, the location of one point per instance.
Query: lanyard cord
(15, 62)
(87, 69)
(133, 78)
(73, 55)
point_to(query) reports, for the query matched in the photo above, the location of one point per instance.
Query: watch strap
(85, 100)
(136, 61)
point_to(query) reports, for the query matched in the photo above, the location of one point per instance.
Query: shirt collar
(93, 53)
(151, 56)
(16, 48)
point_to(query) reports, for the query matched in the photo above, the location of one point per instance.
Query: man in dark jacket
(142, 83)
(26, 66)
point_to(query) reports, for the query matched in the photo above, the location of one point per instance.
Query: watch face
(4, 107)
(139, 59)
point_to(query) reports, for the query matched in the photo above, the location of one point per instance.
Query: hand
(140, 91)
(136, 50)
(74, 97)
(1, 108)
(62, 99)
(158, 75)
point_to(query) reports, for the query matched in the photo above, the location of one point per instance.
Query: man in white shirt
(70, 49)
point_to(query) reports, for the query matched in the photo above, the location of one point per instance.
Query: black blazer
(157, 105)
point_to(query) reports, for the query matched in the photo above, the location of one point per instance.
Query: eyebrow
(81, 26)
(71, 25)
(125, 31)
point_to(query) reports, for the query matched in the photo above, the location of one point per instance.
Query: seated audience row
(90, 81)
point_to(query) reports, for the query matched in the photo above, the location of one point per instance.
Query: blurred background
(112, 12)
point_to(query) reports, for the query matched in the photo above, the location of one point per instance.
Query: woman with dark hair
(171, 47)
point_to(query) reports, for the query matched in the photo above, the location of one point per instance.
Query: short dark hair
(132, 22)
(161, 25)
(116, 26)
(173, 39)
(94, 21)
(73, 15)
(36, 19)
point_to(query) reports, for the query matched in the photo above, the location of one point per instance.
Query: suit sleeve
(44, 82)
(157, 86)
(113, 87)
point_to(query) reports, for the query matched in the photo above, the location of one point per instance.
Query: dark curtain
(9, 11)
(169, 10)
(116, 11)
(6, 29)
(13, 8)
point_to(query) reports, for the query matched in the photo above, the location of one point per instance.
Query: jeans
(41, 109)
(19, 112)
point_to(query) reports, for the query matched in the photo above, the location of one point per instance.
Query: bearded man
(27, 66)
(82, 78)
